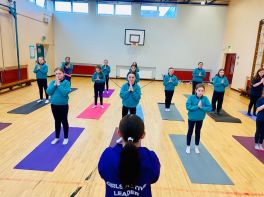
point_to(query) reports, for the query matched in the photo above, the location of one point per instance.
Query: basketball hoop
(134, 44)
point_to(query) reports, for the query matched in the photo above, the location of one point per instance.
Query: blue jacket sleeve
(124, 93)
(51, 88)
(44, 69)
(217, 82)
(36, 69)
(206, 105)
(94, 77)
(165, 80)
(226, 83)
(189, 105)
(175, 81)
(137, 77)
(102, 80)
(203, 73)
(64, 88)
(195, 74)
(155, 169)
(136, 94)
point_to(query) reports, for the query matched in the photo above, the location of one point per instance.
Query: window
(158, 11)
(123, 10)
(62, 6)
(80, 7)
(169, 12)
(149, 11)
(105, 9)
(40, 3)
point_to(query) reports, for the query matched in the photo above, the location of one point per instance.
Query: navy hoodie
(108, 170)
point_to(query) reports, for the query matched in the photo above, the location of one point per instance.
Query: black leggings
(217, 97)
(60, 114)
(98, 88)
(259, 132)
(106, 82)
(168, 98)
(194, 84)
(125, 110)
(42, 84)
(253, 101)
(198, 125)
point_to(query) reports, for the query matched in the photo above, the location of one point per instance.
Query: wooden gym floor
(28, 131)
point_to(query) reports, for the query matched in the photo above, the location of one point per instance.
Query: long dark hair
(257, 76)
(221, 69)
(134, 64)
(131, 128)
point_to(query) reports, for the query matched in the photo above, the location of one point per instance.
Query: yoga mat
(139, 112)
(201, 168)
(93, 113)
(73, 89)
(173, 114)
(249, 144)
(28, 108)
(251, 117)
(46, 157)
(110, 92)
(223, 117)
(4, 125)
(115, 138)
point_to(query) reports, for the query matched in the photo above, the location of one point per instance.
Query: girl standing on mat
(41, 70)
(127, 168)
(197, 106)
(133, 69)
(170, 81)
(198, 75)
(99, 81)
(259, 136)
(59, 90)
(220, 82)
(67, 66)
(130, 94)
(106, 70)
(256, 90)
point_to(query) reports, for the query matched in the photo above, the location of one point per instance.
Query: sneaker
(257, 147)
(196, 150)
(55, 141)
(261, 147)
(47, 101)
(166, 109)
(94, 106)
(65, 141)
(102, 106)
(254, 114)
(249, 114)
(188, 149)
(40, 100)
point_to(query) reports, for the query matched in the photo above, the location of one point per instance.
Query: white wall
(31, 28)
(241, 29)
(195, 35)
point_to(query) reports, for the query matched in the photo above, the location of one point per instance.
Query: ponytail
(129, 166)
(132, 129)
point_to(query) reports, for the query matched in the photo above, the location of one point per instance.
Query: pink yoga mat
(93, 113)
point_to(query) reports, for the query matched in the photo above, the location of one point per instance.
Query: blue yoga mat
(140, 112)
(201, 168)
(46, 157)
(251, 117)
(28, 108)
(173, 114)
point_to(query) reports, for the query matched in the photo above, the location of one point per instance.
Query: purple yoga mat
(110, 92)
(249, 143)
(4, 125)
(245, 113)
(46, 157)
(115, 138)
